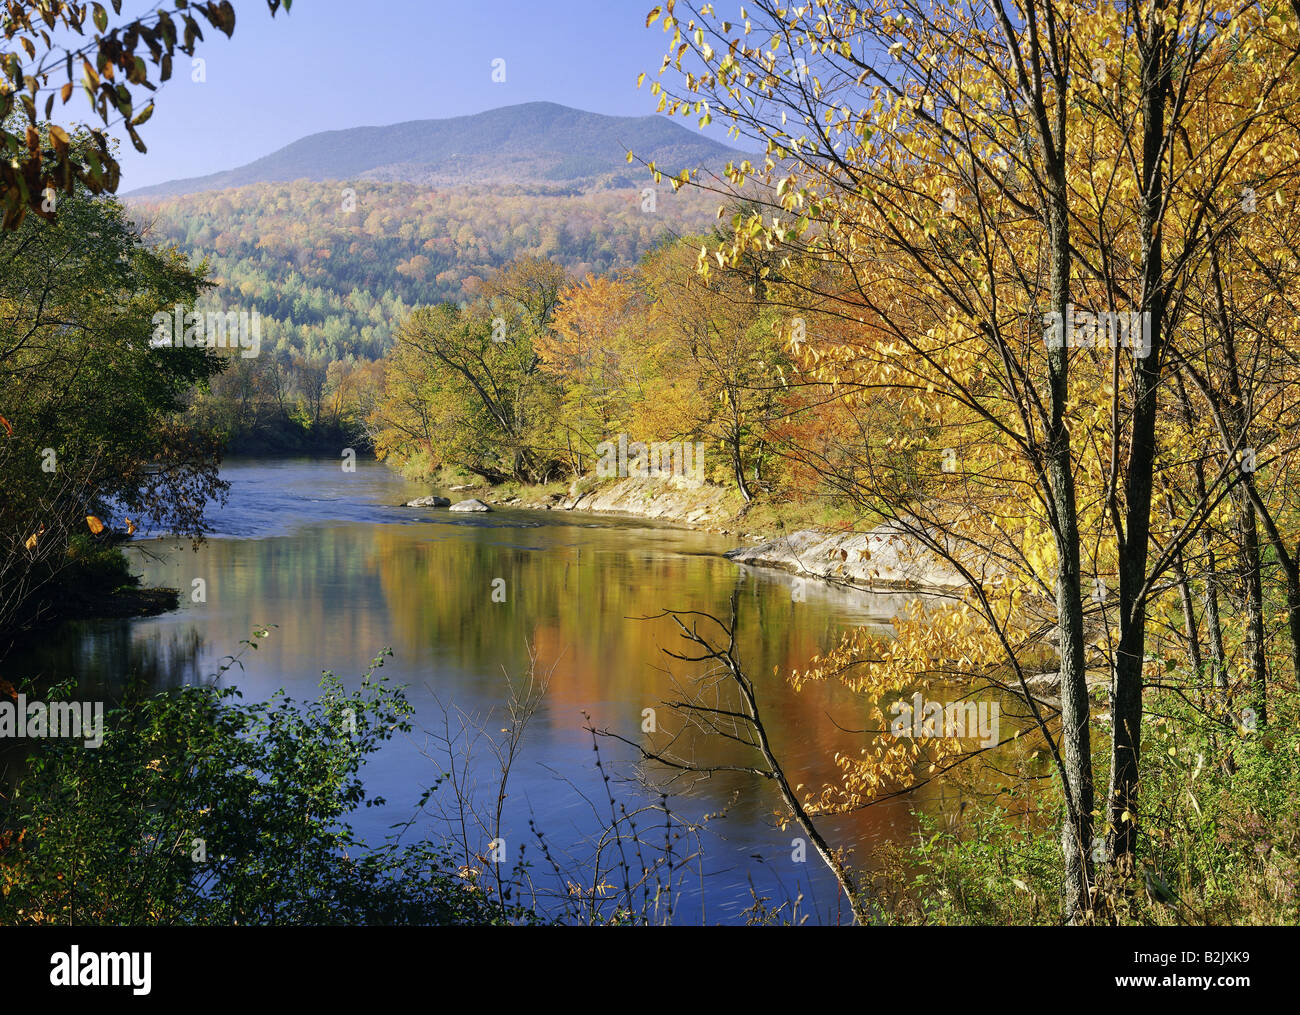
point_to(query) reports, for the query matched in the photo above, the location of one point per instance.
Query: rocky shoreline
(882, 560)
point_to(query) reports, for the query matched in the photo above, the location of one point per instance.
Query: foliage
(92, 414)
(994, 871)
(658, 354)
(114, 65)
(1221, 846)
(466, 386)
(938, 183)
(335, 283)
(202, 809)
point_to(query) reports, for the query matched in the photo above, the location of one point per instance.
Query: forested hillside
(334, 239)
(334, 267)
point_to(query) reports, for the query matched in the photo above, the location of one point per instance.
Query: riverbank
(125, 602)
(877, 560)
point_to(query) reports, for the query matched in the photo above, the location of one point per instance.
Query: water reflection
(342, 572)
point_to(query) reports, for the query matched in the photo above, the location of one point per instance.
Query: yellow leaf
(94, 524)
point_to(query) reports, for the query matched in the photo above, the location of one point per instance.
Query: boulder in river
(430, 501)
(470, 505)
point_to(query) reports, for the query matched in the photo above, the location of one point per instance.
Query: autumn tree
(726, 353)
(491, 405)
(967, 177)
(596, 354)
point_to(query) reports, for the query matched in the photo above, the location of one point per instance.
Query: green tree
(91, 412)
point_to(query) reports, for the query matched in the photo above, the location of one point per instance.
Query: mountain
(435, 206)
(536, 142)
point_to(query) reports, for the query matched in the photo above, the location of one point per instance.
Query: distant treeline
(334, 268)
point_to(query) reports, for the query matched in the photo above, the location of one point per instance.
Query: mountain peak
(532, 142)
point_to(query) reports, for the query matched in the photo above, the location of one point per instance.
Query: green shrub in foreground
(200, 808)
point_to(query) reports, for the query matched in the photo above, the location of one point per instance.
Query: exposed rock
(884, 558)
(463, 486)
(428, 502)
(470, 505)
(673, 498)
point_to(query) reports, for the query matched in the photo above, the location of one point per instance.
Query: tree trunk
(1076, 829)
(1292, 572)
(1189, 617)
(739, 465)
(1253, 600)
(1213, 627)
(1290, 564)
(1134, 542)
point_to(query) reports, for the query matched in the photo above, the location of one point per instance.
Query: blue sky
(322, 68)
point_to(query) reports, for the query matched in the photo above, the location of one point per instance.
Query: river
(342, 572)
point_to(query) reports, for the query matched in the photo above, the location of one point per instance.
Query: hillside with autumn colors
(333, 270)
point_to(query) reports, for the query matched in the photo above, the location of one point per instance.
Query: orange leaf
(5, 423)
(130, 527)
(95, 525)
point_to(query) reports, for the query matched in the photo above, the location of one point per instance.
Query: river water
(342, 572)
